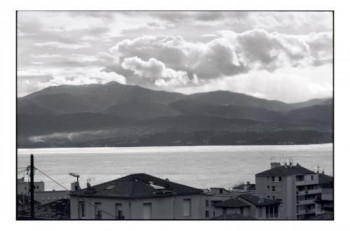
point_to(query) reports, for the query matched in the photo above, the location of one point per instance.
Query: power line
(69, 190)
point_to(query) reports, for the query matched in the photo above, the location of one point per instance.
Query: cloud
(210, 60)
(170, 50)
(155, 72)
(30, 81)
(286, 84)
(231, 53)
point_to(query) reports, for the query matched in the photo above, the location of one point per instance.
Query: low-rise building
(244, 188)
(247, 206)
(48, 196)
(23, 187)
(139, 196)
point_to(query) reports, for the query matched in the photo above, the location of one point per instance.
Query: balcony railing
(305, 211)
(306, 202)
(305, 182)
(310, 191)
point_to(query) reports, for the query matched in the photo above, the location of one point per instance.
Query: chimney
(74, 186)
(275, 164)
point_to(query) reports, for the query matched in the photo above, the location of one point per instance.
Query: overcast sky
(275, 55)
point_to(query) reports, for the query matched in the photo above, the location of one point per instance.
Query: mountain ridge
(131, 115)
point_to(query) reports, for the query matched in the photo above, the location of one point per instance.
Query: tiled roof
(242, 186)
(257, 201)
(138, 186)
(231, 203)
(233, 217)
(285, 171)
(59, 209)
(325, 179)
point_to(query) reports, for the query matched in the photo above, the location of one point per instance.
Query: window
(207, 203)
(260, 212)
(147, 210)
(280, 178)
(273, 178)
(268, 186)
(81, 209)
(98, 211)
(300, 178)
(221, 191)
(206, 214)
(241, 210)
(118, 211)
(187, 207)
(312, 177)
(273, 188)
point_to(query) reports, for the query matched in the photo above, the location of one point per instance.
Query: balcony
(305, 211)
(310, 191)
(306, 202)
(306, 182)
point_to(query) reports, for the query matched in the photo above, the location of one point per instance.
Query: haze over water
(197, 166)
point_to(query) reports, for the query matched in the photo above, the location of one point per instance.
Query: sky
(284, 56)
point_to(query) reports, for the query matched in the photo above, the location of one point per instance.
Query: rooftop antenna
(318, 168)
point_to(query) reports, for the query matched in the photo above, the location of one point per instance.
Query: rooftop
(59, 209)
(325, 179)
(257, 201)
(245, 186)
(285, 170)
(231, 203)
(135, 186)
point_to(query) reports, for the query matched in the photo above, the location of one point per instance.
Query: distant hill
(121, 115)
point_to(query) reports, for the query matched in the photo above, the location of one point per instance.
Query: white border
(342, 110)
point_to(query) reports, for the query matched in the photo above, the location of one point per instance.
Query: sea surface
(197, 166)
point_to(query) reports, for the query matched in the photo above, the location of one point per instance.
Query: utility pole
(32, 186)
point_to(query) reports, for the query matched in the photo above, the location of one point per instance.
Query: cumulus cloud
(173, 51)
(231, 53)
(155, 72)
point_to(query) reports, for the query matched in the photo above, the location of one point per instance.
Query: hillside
(122, 115)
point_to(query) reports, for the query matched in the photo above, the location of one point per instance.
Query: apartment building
(293, 186)
(139, 196)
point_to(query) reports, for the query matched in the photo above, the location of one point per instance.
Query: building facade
(139, 196)
(295, 187)
(23, 187)
(248, 206)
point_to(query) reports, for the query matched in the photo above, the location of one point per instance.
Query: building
(247, 206)
(295, 187)
(325, 202)
(139, 196)
(244, 188)
(23, 187)
(49, 196)
(40, 195)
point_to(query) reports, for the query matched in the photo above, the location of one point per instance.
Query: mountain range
(113, 114)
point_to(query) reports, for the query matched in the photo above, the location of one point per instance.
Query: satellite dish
(74, 174)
